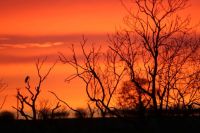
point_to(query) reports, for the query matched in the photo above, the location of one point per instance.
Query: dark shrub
(81, 113)
(7, 115)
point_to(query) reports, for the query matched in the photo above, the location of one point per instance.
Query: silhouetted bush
(46, 113)
(81, 113)
(60, 114)
(6, 115)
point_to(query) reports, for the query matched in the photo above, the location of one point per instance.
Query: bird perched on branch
(27, 79)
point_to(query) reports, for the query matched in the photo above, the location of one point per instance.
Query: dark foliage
(6, 115)
(104, 125)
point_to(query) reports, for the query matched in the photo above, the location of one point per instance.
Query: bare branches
(4, 100)
(159, 47)
(47, 111)
(153, 55)
(156, 21)
(60, 100)
(30, 99)
(100, 73)
(39, 64)
(55, 108)
(3, 86)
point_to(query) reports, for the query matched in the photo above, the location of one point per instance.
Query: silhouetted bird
(26, 79)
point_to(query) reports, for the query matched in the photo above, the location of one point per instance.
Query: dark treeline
(151, 68)
(106, 125)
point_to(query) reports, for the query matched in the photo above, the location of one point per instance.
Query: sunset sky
(30, 29)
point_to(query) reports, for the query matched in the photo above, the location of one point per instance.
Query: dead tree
(100, 73)
(157, 47)
(28, 100)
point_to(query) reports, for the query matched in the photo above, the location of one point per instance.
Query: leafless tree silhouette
(160, 47)
(100, 73)
(30, 98)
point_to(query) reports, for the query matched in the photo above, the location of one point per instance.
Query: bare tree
(100, 73)
(29, 99)
(177, 81)
(159, 47)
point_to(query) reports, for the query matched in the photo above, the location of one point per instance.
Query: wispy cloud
(23, 42)
(25, 49)
(31, 45)
(4, 38)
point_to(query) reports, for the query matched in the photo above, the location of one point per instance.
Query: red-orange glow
(60, 17)
(38, 28)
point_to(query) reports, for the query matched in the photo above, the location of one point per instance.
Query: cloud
(44, 45)
(25, 49)
(31, 45)
(12, 46)
(4, 38)
(23, 42)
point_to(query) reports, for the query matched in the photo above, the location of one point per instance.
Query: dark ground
(107, 125)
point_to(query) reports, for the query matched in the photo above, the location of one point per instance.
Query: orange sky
(55, 17)
(42, 17)
(38, 28)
